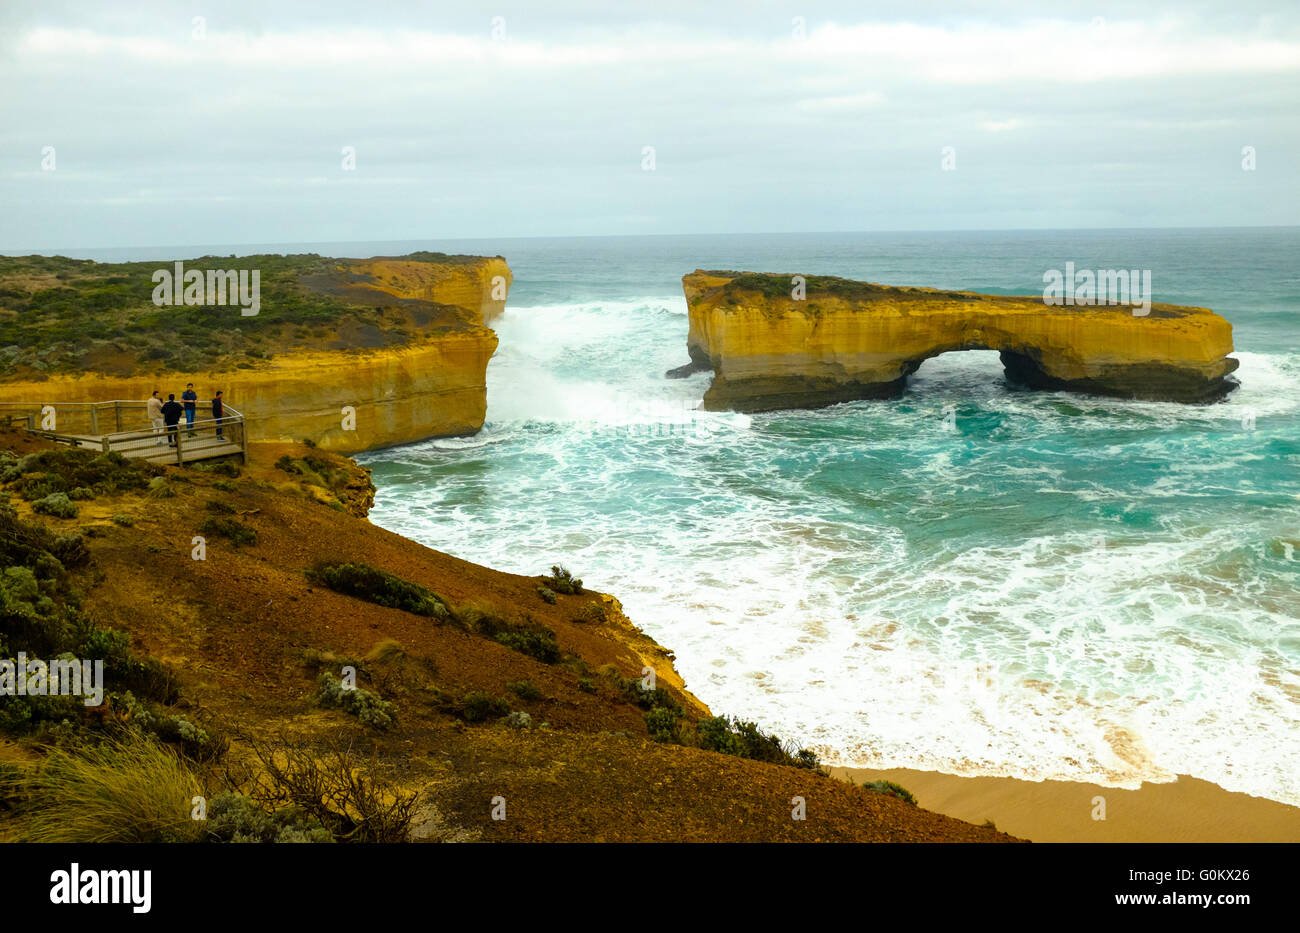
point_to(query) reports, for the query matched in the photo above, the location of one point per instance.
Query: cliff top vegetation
(62, 315)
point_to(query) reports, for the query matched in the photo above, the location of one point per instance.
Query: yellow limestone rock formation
(346, 394)
(850, 340)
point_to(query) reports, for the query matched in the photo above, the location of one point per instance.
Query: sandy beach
(1187, 810)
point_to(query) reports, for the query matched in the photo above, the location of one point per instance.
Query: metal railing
(80, 424)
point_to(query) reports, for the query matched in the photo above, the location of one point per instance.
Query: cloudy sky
(203, 122)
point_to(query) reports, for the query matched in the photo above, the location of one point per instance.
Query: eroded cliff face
(480, 287)
(853, 340)
(397, 396)
(357, 387)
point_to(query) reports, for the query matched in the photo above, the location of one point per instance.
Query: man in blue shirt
(190, 398)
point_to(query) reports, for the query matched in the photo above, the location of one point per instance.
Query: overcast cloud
(1089, 116)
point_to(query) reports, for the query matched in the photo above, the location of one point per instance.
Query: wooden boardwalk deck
(188, 443)
(192, 448)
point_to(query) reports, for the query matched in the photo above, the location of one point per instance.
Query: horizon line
(13, 252)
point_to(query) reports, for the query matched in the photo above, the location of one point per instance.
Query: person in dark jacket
(191, 400)
(218, 408)
(171, 412)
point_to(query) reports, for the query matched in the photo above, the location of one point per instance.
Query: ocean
(1040, 586)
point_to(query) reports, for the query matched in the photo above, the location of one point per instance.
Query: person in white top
(154, 406)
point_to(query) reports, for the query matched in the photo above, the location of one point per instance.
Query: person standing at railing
(154, 407)
(191, 399)
(172, 417)
(218, 406)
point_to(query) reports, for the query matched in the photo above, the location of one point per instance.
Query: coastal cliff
(472, 685)
(850, 340)
(349, 354)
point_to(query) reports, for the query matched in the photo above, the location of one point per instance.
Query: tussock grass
(131, 790)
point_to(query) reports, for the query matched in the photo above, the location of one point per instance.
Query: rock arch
(853, 340)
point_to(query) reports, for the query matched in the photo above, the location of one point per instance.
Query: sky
(202, 122)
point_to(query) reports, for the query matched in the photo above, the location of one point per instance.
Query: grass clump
(129, 790)
(547, 594)
(160, 488)
(378, 586)
(235, 531)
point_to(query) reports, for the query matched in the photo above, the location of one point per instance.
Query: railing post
(94, 418)
(107, 445)
(117, 415)
(243, 438)
(180, 458)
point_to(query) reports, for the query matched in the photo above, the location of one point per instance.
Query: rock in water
(844, 340)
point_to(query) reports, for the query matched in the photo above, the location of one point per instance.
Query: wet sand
(1187, 810)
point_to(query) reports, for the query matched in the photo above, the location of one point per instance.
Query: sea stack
(779, 341)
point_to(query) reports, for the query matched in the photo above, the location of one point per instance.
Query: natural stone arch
(853, 340)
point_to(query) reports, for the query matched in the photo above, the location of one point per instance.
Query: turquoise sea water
(1061, 587)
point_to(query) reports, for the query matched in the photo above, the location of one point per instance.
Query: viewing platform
(82, 424)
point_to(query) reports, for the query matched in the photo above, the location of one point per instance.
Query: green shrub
(70, 469)
(536, 641)
(548, 595)
(632, 689)
(662, 724)
(892, 789)
(81, 492)
(378, 586)
(369, 709)
(189, 739)
(224, 485)
(747, 740)
(286, 463)
(70, 550)
(22, 714)
(126, 521)
(235, 818)
(146, 677)
(222, 467)
(524, 689)
(518, 720)
(220, 508)
(561, 581)
(57, 504)
(237, 532)
(586, 685)
(477, 706)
